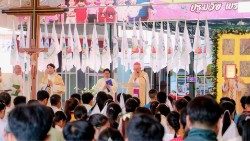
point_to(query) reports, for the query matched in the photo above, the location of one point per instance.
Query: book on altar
(109, 82)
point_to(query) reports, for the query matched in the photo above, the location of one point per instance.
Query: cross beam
(35, 10)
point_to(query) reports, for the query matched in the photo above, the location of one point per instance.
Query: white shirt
(3, 124)
(88, 107)
(55, 109)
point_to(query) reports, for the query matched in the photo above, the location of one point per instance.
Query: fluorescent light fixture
(243, 7)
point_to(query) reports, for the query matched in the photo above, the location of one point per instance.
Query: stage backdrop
(232, 47)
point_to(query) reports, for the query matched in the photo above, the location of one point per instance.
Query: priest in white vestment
(52, 82)
(106, 84)
(17, 81)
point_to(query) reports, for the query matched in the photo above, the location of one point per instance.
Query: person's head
(137, 67)
(55, 100)
(203, 112)
(224, 99)
(101, 98)
(43, 97)
(30, 122)
(130, 105)
(153, 94)
(59, 119)
(188, 98)
(227, 105)
(163, 109)
(18, 70)
(87, 98)
(19, 100)
(2, 109)
(32, 101)
(106, 73)
(4, 96)
(161, 97)
(100, 122)
(243, 102)
(80, 113)
(173, 121)
(144, 128)
(142, 110)
(180, 104)
(51, 68)
(137, 100)
(110, 134)
(153, 107)
(113, 110)
(247, 105)
(78, 131)
(110, 97)
(76, 96)
(70, 105)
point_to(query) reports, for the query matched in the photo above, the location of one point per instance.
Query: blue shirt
(197, 134)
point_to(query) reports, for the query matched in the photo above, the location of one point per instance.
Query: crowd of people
(101, 117)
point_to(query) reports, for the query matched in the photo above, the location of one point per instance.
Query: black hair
(87, 97)
(80, 113)
(153, 107)
(152, 93)
(161, 97)
(144, 127)
(55, 99)
(78, 131)
(210, 96)
(110, 97)
(248, 100)
(19, 100)
(70, 105)
(183, 115)
(5, 97)
(226, 122)
(106, 70)
(101, 98)
(2, 105)
(76, 96)
(59, 115)
(228, 105)
(188, 98)
(241, 121)
(180, 104)
(42, 94)
(137, 100)
(51, 65)
(163, 109)
(32, 102)
(125, 97)
(224, 99)
(30, 122)
(142, 110)
(110, 134)
(173, 120)
(243, 102)
(246, 130)
(98, 120)
(204, 110)
(113, 110)
(131, 104)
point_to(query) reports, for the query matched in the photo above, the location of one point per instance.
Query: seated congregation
(85, 117)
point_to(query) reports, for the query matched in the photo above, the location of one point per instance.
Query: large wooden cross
(35, 10)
